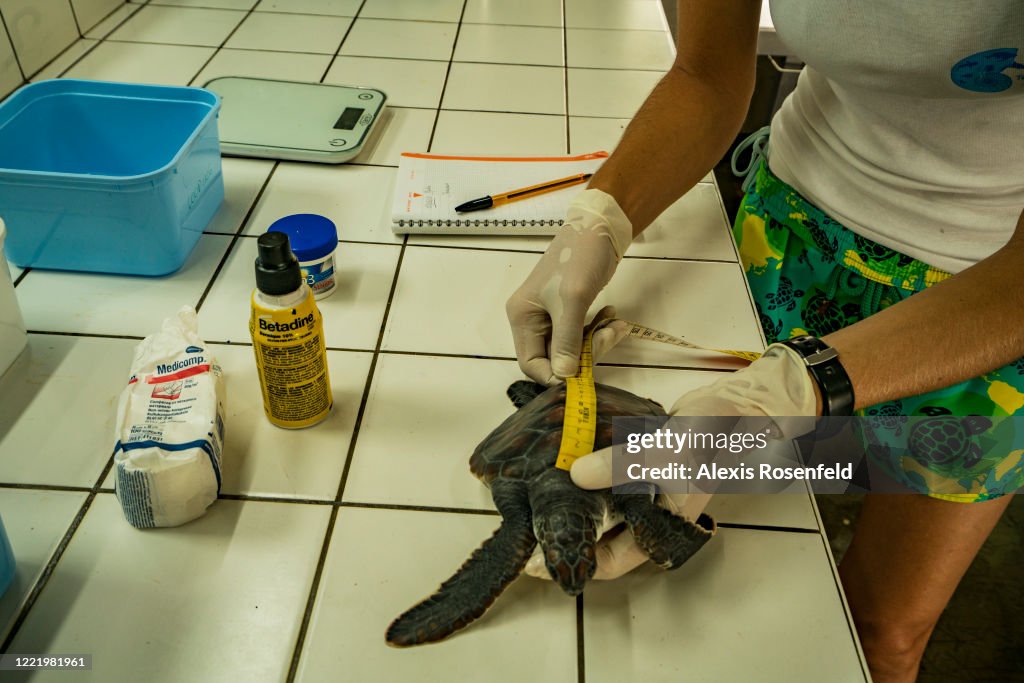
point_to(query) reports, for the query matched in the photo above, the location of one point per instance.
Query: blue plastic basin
(108, 177)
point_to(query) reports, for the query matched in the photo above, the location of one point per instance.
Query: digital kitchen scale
(292, 120)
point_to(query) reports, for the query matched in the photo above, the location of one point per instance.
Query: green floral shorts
(811, 275)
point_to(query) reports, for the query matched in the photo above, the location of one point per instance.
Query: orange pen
(521, 193)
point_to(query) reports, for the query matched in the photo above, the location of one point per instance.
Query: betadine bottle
(288, 339)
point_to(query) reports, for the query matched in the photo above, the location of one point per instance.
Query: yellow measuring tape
(579, 426)
(580, 423)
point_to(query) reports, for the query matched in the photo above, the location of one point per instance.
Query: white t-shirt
(907, 125)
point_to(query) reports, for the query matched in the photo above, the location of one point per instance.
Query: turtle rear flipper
(464, 597)
(669, 540)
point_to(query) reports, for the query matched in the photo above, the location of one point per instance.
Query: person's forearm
(961, 328)
(692, 115)
(681, 132)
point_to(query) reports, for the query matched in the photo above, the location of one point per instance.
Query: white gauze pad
(170, 428)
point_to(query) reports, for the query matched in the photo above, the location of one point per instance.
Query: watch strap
(822, 362)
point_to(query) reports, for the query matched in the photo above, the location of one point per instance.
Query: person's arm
(680, 132)
(692, 116)
(961, 328)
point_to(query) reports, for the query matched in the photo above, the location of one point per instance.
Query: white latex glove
(547, 312)
(777, 384)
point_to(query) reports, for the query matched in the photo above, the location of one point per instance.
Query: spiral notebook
(430, 186)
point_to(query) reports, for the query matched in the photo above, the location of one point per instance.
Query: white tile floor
(322, 536)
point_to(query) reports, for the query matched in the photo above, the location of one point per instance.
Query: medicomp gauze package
(170, 428)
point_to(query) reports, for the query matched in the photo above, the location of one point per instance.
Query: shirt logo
(988, 71)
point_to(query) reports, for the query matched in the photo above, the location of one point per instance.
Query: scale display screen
(348, 118)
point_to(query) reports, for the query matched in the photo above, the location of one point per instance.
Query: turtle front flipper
(523, 391)
(464, 597)
(669, 540)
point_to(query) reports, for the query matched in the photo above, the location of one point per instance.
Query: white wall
(36, 31)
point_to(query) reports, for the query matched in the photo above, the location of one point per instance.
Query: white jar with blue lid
(313, 239)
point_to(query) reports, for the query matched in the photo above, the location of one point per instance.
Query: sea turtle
(943, 440)
(772, 328)
(888, 416)
(873, 251)
(784, 296)
(539, 503)
(822, 315)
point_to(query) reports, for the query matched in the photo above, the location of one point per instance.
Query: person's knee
(893, 646)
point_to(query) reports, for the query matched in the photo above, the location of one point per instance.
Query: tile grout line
(245, 497)
(86, 335)
(314, 588)
(356, 505)
(444, 85)
(97, 41)
(768, 527)
(405, 59)
(565, 82)
(511, 250)
(318, 14)
(235, 238)
(364, 505)
(657, 31)
(396, 352)
(138, 8)
(329, 533)
(74, 17)
(397, 59)
(348, 31)
(256, 199)
(418, 508)
(221, 46)
(47, 572)
(45, 487)
(498, 250)
(62, 52)
(581, 663)
(14, 51)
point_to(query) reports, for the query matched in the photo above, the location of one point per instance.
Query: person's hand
(776, 387)
(547, 312)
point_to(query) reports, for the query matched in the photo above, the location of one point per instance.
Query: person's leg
(810, 275)
(907, 556)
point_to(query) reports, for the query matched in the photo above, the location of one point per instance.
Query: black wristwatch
(822, 362)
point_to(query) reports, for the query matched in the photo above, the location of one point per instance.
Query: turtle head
(565, 521)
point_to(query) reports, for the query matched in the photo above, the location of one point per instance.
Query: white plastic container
(12, 328)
